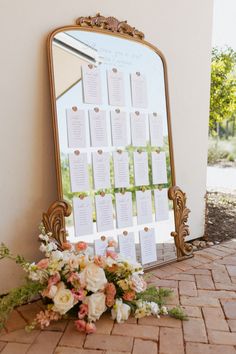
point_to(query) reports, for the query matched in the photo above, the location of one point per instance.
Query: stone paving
(204, 285)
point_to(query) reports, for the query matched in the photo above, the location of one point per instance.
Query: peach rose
(90, 328)
(129, 295)
(100, 261)
(80, 325)
(66, 246)
(81, 246)
(43, 264)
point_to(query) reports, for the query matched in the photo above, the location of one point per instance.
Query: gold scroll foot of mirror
(54, 221)
(183, 249)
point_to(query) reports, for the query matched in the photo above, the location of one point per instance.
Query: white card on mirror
(124, 209)
(138, 129)
(104, 212)
(159, 172)
(161, 204)
(139, 90)
(100, 247)
(156, 129)
(76, 128)
(79, 176)
(141, 168)
(148, 246)
(127, 246)
(119, 128)
(83, 216)
(121, 169)
(116, 87)
(101, 169)
(98, 127)
(92, 88)
(144, 207)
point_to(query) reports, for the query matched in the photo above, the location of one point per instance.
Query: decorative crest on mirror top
(109, 23)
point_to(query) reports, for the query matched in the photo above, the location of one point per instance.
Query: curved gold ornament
(109, 23)
(181, 217)
(54, 220)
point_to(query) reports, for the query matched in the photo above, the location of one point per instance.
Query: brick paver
(204, 285)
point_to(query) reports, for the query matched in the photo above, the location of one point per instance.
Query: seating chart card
(116, 87)
(127, 246)
(119, 128)
(144, 206)
(121, 169)
(76, 128)
(138, 129)
(100, 246)
(83, 216)
(148, 245)
(139, 90)
(79, 177)
(101, 169)
(104, 212)
(156, 129)
(161, 204)
(92, 88)
(98, 127)
(159, 172)
(141, 168)
(124, 209)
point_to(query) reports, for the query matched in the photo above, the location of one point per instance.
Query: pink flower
(80, 325)
(43, 318)
(73, 277)
(111, 254)
(83, 311)
(79, 294)
(66, 246)
(129, 295)
(112, 243)
(110, 291)
(43, 264)
(90, 328)
(100, 261)
(53, 280)
(81, 246)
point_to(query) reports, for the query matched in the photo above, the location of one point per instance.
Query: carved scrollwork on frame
(111, 24)
(54, 220)
(181, 217)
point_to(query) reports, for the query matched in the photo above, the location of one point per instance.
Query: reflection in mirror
(114, 148)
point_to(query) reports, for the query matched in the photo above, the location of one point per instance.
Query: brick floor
(204, 285)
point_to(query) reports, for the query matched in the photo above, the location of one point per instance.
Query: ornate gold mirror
(113, 143)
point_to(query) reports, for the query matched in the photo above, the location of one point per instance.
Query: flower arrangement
(74, 281)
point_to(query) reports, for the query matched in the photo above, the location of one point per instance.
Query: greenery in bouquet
(74, 280)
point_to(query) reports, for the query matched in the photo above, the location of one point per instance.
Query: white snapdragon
(120, 311)
(44, 238)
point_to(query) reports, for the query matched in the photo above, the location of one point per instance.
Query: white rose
(120, 311)
(52, 291)
(96, 305)
(94, 277)
(138, 284)
(63, 300)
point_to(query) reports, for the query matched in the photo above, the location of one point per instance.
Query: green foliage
(17, 297)
(178, 313)
(152, 294)
(5, 253)
(223, 86)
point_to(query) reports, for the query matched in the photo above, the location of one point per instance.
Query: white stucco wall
(181, 29)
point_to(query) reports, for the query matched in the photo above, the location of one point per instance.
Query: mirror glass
(113, 148)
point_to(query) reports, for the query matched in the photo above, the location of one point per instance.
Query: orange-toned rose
(129, 295)
(110, 292)
(100, 261)
(81, 246)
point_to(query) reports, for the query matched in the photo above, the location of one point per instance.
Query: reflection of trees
(68, 195)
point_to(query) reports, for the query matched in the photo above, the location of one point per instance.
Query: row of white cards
(79, 171)
(127, 246)
(76, 128)
(83, 211)
(93, 93)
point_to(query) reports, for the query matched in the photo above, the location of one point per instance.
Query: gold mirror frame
(54, 218)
